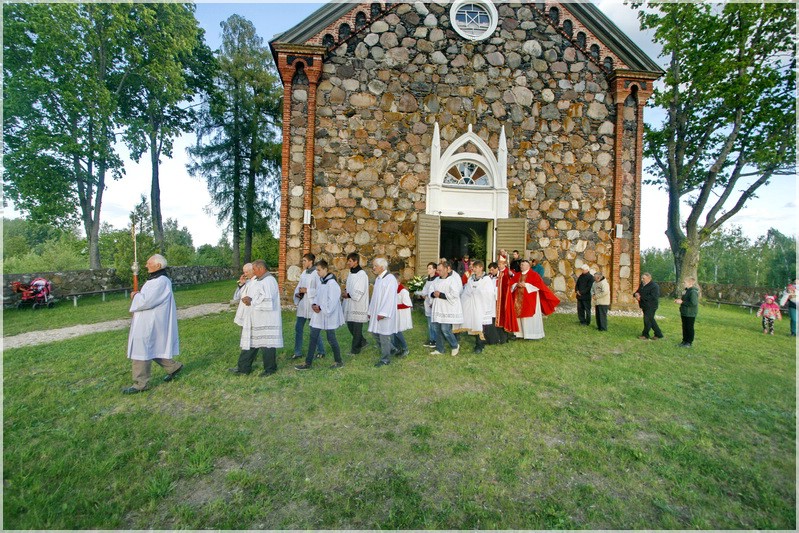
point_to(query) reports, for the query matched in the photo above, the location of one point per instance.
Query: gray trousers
(384, 343)
(141, 370)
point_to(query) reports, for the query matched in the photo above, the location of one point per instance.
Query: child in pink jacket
(769, 311)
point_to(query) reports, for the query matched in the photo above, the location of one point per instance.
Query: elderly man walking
(648, 295)
(262, 324)
(383, 309)
(154, 327)
(356, 302)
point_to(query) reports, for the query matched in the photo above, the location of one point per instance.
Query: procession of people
(461, 300)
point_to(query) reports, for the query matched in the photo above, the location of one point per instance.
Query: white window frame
(490, 9)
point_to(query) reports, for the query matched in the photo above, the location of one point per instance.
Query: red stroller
(38, 293)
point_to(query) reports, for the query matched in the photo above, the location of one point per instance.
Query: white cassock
(479, 304)
(404, 318)
(242, 309)
(309, 280)
(447, 310)
(356, 307)
(154, 327)
(425, 293)
(531, 327)
(383, 303)
(263, 326)
(328, 298)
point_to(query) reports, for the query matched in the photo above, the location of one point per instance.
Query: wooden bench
(103, 292)
(751, 307)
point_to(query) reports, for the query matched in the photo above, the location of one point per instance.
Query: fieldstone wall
(726, 293)
(379, 97)
(82, 281)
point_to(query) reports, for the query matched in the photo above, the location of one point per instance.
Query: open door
(428, 235)
(512, 235)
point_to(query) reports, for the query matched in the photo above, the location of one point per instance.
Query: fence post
(74, 301)
(103, 296)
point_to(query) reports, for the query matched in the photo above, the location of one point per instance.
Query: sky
(186, 198)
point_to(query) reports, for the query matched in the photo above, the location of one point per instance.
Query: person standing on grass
(504, 315)
(327, 316)
(479, 306)
(153, 328)
(262, 327)
(428, 304)
(356, 302)
(689, 308)
(648, 295)
(383, 309)
(789, 299)
(600, 292)
(447, 310)
(404, 321)
(769, 312)
(531, 300)
(582, 290)
(303, 295)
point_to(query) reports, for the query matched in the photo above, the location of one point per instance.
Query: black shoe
(296, 357)
(170, 377)
(302, 367)
(265, 373)
(381, 363)
(237, 371)
(337, 365)
(685, 345)
(364, 344)
(132, 390)
(478, 350)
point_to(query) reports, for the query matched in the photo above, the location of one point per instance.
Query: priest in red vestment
(531, 300)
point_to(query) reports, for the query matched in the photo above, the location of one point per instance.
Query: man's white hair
(381, 262)
(160, 259)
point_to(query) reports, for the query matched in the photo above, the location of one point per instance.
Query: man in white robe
(154, 327)
(245, 281)
(327, 316)
(303, 295)
(447, 311)
(262, 327)
(356, 302)
(479, 305)
(383, 309)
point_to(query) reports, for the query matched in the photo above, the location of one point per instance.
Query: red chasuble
(505, 318)
(524, 303)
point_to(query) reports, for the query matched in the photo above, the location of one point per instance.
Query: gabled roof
(587, 14)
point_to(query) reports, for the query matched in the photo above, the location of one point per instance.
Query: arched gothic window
(608, 63)
(581, 40)
(554, 15)
(375, 9)
(328, 41)
(344, 31)
(595, 51)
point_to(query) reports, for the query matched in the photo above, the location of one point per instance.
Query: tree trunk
(237, 166)
(686, 262)
(249, 195)
(155, 194)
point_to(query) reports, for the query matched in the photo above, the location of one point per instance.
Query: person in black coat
(647, 295)
(583, 292)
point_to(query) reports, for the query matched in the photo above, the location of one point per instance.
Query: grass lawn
(579, 430)
(92, 309)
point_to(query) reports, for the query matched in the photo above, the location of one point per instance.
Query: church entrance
(460, 237)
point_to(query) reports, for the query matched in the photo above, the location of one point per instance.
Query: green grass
(580, 430)
(92, 309)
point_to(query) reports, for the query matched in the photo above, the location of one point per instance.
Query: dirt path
(53, 335)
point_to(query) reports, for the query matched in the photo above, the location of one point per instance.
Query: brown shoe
(643, 338)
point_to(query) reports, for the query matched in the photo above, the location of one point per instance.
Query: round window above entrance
(474, 20)
(467, 174)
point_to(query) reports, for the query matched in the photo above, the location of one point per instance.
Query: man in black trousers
(647, 295)
(583, 292)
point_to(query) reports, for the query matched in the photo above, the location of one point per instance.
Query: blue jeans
(431, 331)
(444, 331)
(316, 338)
(792, 312)
(298, 327)
(398, 341)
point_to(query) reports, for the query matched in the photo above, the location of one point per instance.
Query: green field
(580, 430)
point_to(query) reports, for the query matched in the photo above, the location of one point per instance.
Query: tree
(65, 67)
(237, 152)
(776, 259)
(175, 65)
(659, 263)
(729, 94)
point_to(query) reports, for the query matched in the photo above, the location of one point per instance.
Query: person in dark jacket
(647, 295)
(583, 292)
(689, 307)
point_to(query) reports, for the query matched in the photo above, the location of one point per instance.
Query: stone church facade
(412, 128)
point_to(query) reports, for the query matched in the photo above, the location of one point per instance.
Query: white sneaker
(456, 350)
(436, 352)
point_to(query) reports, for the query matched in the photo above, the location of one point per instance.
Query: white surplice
(356, 307)
(328, 298)
(383, 303)
(154, 327)
(263, 326)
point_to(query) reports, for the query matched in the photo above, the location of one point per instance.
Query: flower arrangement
(416, 283)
